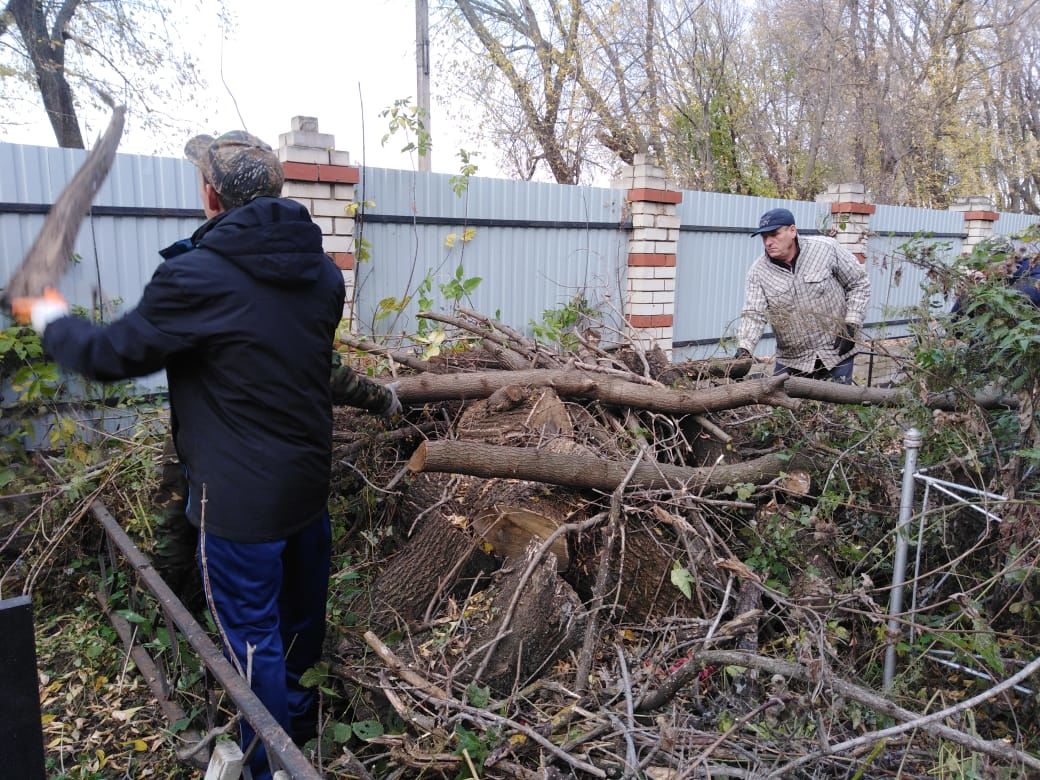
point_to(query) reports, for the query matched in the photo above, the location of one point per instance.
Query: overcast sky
(323, 58)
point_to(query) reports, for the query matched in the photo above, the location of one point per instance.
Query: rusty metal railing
(163, 676)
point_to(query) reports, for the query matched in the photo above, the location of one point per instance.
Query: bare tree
(576, 75)
(922, 100)
(126, 48)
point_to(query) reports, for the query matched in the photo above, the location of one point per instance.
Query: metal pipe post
(911, 445)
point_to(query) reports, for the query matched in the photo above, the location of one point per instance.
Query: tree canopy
(922, 100)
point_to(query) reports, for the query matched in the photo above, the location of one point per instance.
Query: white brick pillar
(979, 216)
(851, 210)
(322, 179)
(650, 280)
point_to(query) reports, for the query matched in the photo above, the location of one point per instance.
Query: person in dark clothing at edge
(242, 315)
(1019, 270)
(813, 292)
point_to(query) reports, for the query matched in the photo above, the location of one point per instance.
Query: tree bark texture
(588, 385)
(546, 623)
(832, 392)
(640, 583)
(51, 252)
(584, 471)
(46, 52)
(428, 565)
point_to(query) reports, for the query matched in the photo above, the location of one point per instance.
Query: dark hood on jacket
(272, 239)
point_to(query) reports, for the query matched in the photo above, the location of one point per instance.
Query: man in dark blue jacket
(242, 315)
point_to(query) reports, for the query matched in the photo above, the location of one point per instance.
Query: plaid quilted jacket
(807, 308)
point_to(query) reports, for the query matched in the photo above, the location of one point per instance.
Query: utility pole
(422, 73)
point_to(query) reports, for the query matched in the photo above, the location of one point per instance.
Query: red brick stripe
(343, 260)
(654, 196)
(853, 208)
(989, 216)
(340, 174)
(297, 171)
(646, 260)
(650, 320)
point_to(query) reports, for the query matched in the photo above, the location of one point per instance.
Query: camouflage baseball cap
(239, 166)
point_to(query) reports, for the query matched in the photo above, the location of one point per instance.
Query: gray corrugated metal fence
(534, 245)
(1009, 224)
(557, 243)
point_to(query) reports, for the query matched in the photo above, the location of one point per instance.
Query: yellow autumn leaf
(47, 718)
(468, 235)
(101, 757)
(449, 240)
(139, 745)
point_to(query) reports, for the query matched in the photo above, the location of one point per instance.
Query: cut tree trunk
(640, 584)
(508, 514)
(429, 565)
(505, 513)
(573, 383)
(546, 623)
(584, 471)
(515, 414)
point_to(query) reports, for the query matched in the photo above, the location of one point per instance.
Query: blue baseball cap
(773, 219)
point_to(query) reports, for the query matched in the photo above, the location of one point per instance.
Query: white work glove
(395, 407)
(40, 312)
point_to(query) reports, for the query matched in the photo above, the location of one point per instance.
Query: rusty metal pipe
(278, 743)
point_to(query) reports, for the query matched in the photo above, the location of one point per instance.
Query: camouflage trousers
(176, 539)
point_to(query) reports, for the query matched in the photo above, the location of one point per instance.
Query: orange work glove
(40, 312)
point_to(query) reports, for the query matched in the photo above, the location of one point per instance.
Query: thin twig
(581, 676)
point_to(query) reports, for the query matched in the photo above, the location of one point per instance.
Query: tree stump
(547, 622)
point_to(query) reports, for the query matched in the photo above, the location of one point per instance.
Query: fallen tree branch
(911, 720)
(51, 252)
(585, 471)
(603, 388)
(836, 393)
(438, 696)
(539, 356)
(401, 669)
(599, 589)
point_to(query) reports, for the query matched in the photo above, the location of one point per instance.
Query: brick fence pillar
(850, 209)
(979, 216)
(322, 179)
(650, 287)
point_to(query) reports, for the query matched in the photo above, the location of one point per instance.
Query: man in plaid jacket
(812, 292)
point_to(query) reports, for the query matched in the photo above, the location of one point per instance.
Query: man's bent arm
(852, 275)
(351, 389)
(137, 344)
